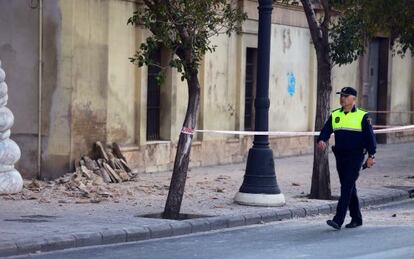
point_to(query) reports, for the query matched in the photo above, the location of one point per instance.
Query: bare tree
(319, 30)
(184, 27)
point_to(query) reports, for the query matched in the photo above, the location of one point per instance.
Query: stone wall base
(159, 156)
(400, 137)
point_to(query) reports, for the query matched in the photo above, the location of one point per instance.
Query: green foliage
(362, 20)
(185, 27)
(347, 39)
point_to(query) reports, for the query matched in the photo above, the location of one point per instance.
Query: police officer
(353, 136)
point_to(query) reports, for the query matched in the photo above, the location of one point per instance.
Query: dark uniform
(353, 136)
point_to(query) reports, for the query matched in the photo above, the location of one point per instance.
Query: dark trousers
(348, 166)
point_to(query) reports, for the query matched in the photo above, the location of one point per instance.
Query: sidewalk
(52, 223)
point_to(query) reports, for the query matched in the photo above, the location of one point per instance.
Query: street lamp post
(260, 187)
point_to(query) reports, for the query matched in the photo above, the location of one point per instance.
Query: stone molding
(10, 179)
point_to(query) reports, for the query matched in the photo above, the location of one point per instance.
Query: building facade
(71, 84)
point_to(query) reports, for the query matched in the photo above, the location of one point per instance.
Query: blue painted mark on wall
(291, 83)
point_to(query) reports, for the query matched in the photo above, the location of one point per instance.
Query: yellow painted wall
(290, 53)
(122, 81)
(345, 75)
(401, 90)
(220, 86)
(104, 82)
(60, 129)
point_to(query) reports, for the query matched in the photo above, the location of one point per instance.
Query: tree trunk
(182, 157)
(321, 185)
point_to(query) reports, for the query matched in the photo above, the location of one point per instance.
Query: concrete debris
(222, 177)
(34, 185)
(218, 189)
(91, 182)
(92, 176)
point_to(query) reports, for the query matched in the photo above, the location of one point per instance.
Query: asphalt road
(387, 233)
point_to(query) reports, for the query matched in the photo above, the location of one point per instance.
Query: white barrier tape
(385, 126)
(409, 112)
(297, 133)
(270, 133)
(395, 129)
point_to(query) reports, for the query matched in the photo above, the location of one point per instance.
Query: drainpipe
(412, 91)
(39, 137)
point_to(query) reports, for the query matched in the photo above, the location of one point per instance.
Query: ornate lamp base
(260, 199)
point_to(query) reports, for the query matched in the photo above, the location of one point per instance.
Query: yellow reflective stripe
(350, 129)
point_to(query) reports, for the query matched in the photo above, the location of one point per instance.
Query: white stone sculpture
(10, 179)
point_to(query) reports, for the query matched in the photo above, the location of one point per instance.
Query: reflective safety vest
(351, 121)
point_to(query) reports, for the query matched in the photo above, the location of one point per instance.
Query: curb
(177, 228)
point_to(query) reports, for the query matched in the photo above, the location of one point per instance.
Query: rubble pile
(92, 176)
(110, 166)
(91, 181)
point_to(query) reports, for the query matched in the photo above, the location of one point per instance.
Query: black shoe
(353, 224)
(333, 224)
